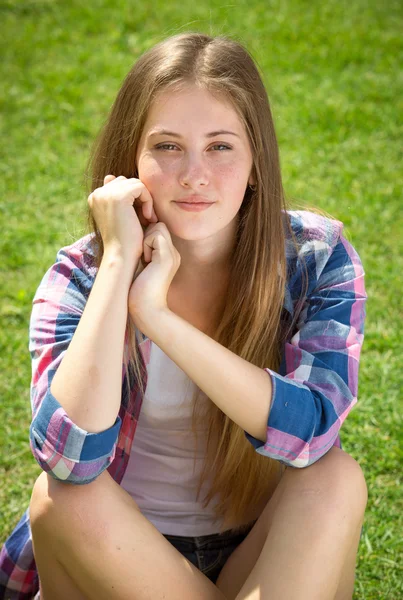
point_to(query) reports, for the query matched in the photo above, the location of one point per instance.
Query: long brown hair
(250, 325)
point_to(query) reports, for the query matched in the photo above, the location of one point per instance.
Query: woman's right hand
(122, 209)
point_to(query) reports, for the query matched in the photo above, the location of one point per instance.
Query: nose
(194, 172)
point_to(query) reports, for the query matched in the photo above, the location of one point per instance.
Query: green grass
(333, 71)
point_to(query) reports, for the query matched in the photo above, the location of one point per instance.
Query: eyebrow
(177, 135)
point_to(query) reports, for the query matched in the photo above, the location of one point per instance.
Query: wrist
(113, 261)
(153, 322)
(119, 258)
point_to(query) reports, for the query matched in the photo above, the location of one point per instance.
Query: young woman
(194, 357)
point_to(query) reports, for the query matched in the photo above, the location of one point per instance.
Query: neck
(203, 263)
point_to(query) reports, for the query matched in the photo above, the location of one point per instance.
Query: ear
(252, 178)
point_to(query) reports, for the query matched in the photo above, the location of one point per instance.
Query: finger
(161, 227)
(144, 196)
(144, 204)
(108, 178)
(150, 212)
(147, 249)
(157, 230)
(143, 221)
(147, 210)
(155, 241)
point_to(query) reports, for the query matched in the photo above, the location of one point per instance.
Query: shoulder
(307, 231)
(81, 252)
(315, 245)
(73, 271)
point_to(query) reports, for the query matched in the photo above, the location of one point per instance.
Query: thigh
(107, 547)
(54, 582)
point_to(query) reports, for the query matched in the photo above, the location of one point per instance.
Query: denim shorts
(209, 553)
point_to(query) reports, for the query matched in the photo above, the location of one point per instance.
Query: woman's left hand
(149, 290)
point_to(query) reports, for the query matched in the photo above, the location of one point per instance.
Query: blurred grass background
(333, 71)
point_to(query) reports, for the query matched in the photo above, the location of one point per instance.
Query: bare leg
(54, 581)
(304, 544)
(91, 542)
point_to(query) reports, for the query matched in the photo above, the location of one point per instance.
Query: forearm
(240, 389)
(88, 381)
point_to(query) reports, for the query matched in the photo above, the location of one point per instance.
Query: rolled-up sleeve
(61, 448)
(317, 383)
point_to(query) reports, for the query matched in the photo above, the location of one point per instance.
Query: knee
(40, 504)
(50, 505)
(63, 510)
(57, 503)
(338, 480)
(347, 481)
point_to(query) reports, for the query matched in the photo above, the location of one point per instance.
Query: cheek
(152, 175)
(230, 173)
(232, 181)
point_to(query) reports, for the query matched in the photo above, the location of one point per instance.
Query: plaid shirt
(314, 391)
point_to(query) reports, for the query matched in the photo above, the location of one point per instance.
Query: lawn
(334, 76)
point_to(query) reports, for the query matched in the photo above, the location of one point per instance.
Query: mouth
(194, 206)
(194, 200)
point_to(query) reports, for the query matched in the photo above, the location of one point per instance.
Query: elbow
(306, 458)
(67, 452)
(293, 451)
(313, 452)
(61, 466)
(304, 423)
(302, 452)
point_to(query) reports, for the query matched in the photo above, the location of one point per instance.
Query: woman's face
(203, 150)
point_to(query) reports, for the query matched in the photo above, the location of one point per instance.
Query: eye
(222, 146)
(165, 146)
(170, 146)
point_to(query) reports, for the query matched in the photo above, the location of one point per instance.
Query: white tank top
(159, 475)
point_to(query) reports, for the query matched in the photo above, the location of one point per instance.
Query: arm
(294, 416)
(318, 380)
(225, 377)
(76, 343)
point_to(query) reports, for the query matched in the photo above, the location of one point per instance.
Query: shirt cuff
(61, 447)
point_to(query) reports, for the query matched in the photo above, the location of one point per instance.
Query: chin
(191, 232)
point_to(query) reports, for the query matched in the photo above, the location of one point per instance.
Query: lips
(194, 200)
(194, 206)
